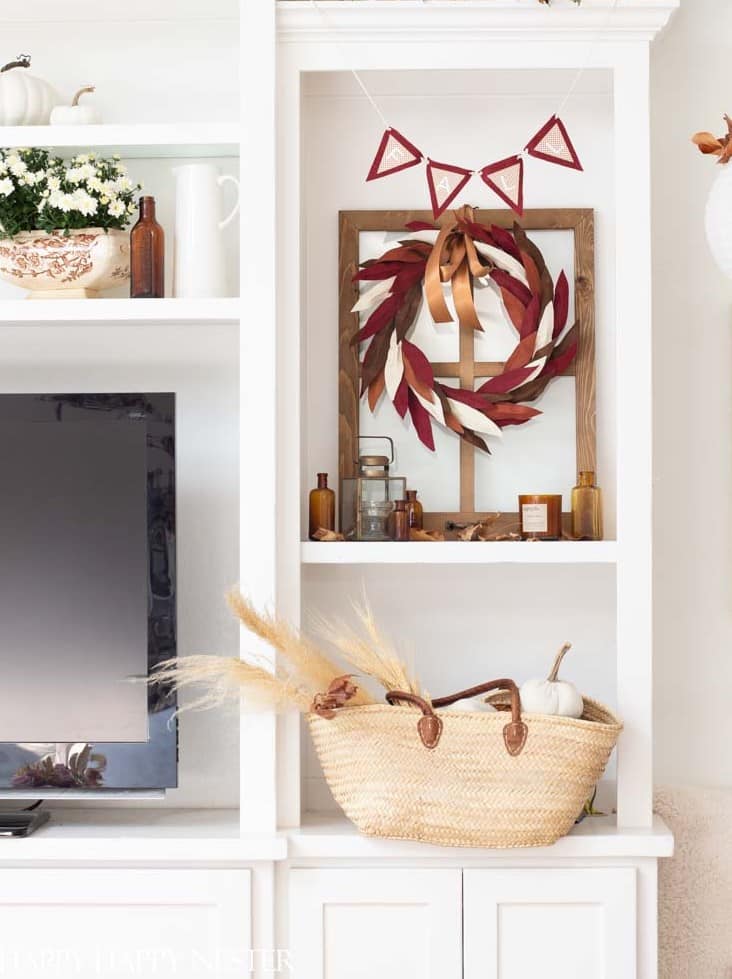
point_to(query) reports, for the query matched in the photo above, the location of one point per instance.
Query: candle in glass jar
(540, 516)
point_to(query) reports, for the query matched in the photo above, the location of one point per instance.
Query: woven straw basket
(463, 778)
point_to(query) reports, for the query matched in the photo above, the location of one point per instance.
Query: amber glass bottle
(400, 517)
(147, 254)
(322, 507)
(586, 508)
(414, 510)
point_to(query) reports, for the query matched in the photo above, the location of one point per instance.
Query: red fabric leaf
(530, 323)
(379, 270)
(480, 232)
(380, 318)
(516, 288)
(471, 398)
(422, 422)
(505, 382)
(505, 240)
(401, 398)
(420, 226)
(420, 365)
(409, 275)
(562, 361)
(561, 304)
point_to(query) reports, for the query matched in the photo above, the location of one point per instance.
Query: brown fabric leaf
(376, 389)
(408, 310)
(546, 292)
(374, 359)
(514, 307)
(522, 353)
(470, 436)
(532, 273)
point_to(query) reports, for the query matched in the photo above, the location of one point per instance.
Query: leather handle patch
(430, 730)
(514, 736)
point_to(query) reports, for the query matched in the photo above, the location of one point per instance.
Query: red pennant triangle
(395, 153)
(506, 178)
(445, 182)
(552, 143)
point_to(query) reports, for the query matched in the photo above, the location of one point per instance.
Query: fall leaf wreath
(459, 252)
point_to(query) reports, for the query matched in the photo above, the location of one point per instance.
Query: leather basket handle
(430, 725)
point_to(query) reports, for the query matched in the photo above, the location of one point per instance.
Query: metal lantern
(367, 500)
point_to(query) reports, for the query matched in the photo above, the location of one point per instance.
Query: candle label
(534, 518)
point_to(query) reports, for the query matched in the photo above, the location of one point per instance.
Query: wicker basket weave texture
(468, 791)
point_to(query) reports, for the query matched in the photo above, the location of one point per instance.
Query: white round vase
(718, 219)
(77, 265)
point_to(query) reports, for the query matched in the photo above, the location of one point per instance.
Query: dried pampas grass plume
(371, 653)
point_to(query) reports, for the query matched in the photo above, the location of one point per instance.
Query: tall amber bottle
(147, 254)
(322, 507)
(400, 527)
(414, 510)
(586, 508)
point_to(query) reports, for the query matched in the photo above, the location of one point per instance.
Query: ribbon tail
(462, 292)
(433, 280)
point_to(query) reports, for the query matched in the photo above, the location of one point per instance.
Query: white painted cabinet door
(375, 924)
(89, 924)
(556, 924)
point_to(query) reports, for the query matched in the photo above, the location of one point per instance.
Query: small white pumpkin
(24, 99)
(75, 114)
(472, 703)
(552, 696)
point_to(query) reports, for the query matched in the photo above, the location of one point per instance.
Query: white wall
(693, 408)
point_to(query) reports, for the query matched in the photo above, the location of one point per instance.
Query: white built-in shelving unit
(290, 53)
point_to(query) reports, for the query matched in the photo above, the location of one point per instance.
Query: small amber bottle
(414, 510)
(401, 520)
(322, 507)
(147, 254)
(586, 508)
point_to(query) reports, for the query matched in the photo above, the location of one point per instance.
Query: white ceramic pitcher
(199, 268)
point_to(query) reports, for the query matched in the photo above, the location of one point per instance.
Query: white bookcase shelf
(460, 552)
(144, 140)
(117, 312)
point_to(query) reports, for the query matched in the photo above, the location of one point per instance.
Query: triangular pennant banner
(552, 143)
(506, 178)
(395, 153)
(445, 182)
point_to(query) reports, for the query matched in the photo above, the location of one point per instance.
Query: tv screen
(87, 590)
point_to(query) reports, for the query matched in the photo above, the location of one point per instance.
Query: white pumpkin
(552, 696)
(472, 703)
(75, 114)
(24, 99)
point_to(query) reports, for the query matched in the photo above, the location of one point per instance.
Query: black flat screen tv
(87, 592)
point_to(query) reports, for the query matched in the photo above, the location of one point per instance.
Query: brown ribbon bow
(454, 259)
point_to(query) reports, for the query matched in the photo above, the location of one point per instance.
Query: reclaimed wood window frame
(467, 370)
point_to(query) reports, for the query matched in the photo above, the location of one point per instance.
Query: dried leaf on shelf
(425, 535)
(718, 146)
(323, 535)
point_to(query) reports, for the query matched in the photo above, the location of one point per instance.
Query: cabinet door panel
(376, 924)
(123, 923)
(557, 924)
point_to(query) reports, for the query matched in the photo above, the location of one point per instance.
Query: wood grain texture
(578, 220)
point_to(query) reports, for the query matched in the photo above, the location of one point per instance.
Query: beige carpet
(695, 886)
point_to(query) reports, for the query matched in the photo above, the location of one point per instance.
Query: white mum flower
(95, 184)
(6, 187)
(84, 203)
(117, 209)
(16, 165)
(54, 183)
